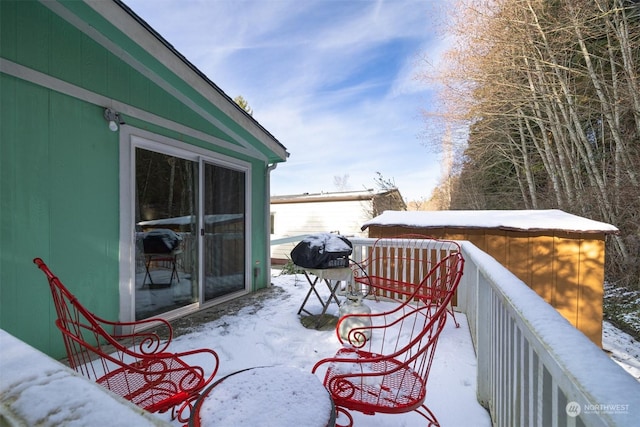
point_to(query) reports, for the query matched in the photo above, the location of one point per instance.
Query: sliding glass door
(224, 231)
(189, 230)
(166, 232)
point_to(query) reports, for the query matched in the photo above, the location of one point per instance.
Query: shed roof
(524, 220)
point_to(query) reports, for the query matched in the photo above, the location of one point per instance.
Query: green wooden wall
(59, 195)
(59, 171)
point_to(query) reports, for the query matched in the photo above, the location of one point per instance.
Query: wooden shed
(559, 255)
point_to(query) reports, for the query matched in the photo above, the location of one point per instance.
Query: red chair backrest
(409, 333)
(406, 258)
(91, 349)
(134, 364)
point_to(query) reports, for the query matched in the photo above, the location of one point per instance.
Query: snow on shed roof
(531, 220)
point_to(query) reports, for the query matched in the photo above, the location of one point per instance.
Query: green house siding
(59, 192)
(59, 162)
(46, 43)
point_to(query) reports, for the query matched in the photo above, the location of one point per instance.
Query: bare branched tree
(551, 93)
(341, 182)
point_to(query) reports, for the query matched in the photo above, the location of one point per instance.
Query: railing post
(484, 325)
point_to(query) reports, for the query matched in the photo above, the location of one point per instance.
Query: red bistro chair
(132, 361)
(396, 265)
(388, 372)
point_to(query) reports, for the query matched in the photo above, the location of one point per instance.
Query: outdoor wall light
(113, 118)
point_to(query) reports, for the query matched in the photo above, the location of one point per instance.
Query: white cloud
(334, 81)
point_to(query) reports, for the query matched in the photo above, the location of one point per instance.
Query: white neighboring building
(341, 212)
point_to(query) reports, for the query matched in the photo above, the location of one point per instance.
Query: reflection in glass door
(166, 233)
(223, 231)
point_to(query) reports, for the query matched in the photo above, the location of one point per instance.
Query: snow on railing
(534, 367)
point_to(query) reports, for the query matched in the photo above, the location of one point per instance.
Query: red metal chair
(133, 361)
(388, 373)
(395, 266)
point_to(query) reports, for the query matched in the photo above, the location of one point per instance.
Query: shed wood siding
(564, 268)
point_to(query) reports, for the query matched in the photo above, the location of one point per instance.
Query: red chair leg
(453, 314)
(426, 413)
(179, 412)
(340, 410)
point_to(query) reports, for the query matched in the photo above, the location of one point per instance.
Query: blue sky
(332, 80)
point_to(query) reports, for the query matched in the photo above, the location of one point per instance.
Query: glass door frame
(132, 138)
(204, 160)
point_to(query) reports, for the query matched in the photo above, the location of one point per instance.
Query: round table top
(265, 397)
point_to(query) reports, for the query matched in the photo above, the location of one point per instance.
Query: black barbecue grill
(161, 245)
(324, 250)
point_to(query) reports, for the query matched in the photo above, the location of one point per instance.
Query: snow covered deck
(532, 366)
(265, 332)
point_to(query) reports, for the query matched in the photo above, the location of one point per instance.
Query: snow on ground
(622, 348)
(273, 335)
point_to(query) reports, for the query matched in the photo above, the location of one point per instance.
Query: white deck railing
(534, 368)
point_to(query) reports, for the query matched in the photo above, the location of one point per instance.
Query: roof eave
(134, 27)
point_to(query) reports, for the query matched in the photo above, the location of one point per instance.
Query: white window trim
(130, 139)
